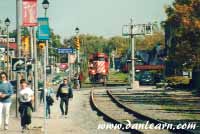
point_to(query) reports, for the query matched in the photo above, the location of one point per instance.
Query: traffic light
(77, 43)
(25, 43)
(41, 45)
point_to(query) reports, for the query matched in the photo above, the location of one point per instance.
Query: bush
(178, 81)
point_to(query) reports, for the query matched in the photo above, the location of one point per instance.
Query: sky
(99, 17)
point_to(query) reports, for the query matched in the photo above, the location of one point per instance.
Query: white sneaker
(28, 127)
(6, 127)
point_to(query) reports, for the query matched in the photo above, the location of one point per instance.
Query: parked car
(56, 80)
(159, 78)
(147, 79)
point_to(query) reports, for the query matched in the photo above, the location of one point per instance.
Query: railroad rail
(144, 117)
(107, 117)
(117, 113)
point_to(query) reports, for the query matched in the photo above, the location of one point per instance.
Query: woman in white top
(26, 97)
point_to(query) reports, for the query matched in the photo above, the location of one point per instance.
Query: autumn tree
(184, 24)
(148, 42)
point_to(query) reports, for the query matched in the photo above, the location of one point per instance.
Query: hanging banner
(29, 13)
(43, 29)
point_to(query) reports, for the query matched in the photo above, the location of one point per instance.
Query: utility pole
(77, 44)
(35, 71)
(18, 48)
(45, 82)
(113, 60)
(133, 53)
(8, 71)
(18, 27)
(132, 30)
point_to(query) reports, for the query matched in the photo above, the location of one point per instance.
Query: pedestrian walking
(6, 92)
(76, 81)
(49, 100)
(26, 98)
(42, 96)
(80, 78)
(64, 93)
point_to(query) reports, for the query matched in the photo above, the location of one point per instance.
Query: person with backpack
(49, 100)
(64, 93)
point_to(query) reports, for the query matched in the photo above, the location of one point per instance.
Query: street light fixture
(7, 23)
(78, 52)
(77, 30)
(45, 5)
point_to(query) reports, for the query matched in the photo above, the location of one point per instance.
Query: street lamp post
(7, 23)
(132, 54)
(132, 30)
(78, 52)
(45, 5)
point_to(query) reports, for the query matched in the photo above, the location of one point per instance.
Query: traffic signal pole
(133, 30)
(19, 49)
(45, 86)
(77, 46)
(78, 59)
(8, 71)
(35, 72)
(132, 54)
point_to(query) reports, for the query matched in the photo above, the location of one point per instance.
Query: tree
(184, 22)
(148, 42)
(118, 44)
(55, 43)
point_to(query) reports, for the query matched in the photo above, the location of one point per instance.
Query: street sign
(65, 50)
(18, 64)
(137, 29)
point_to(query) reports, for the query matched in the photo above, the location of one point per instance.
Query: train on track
(98, 68)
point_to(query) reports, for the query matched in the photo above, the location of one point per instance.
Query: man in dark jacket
(64, 92)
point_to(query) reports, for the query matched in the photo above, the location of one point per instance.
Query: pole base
(135, 85)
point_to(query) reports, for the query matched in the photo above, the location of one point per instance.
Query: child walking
(26, 98)
(49, 99)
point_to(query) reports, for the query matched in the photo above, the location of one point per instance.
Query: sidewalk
(80, 120)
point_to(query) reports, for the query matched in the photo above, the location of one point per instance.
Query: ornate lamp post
(7, 23)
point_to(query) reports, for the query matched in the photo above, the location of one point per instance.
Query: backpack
(70, 92)
(50, 100)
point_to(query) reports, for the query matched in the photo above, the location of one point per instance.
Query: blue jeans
(48, 110)
(64, 101)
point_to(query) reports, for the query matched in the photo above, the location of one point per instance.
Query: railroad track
(112, 110)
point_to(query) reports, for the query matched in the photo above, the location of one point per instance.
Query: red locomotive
(98, 67)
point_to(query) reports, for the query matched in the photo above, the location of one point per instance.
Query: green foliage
(149, 42)
(178, 80)
(55, 43)
(56, 40)
(118, 76)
